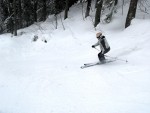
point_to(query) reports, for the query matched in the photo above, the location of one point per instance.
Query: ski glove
(93, 46)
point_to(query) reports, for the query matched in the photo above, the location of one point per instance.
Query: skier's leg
(101, 57)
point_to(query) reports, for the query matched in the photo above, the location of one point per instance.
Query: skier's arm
(96, 44)
(93, 46)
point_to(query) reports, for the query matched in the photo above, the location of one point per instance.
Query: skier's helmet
(98, 34)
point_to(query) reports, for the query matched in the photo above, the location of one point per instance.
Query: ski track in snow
(38, 77)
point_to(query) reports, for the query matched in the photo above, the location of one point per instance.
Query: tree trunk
(95, 3)
(15, 19)
(56, 21)
(9, 12)
(44, 10)
(131, 12)
(20, 14)
(88, 8)
(35, 9)
(66, 9)
(116, 2)
(98, 12)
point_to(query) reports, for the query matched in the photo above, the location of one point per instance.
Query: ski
(89, 65)
(97, 63)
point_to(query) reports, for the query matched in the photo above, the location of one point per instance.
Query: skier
(104, 46)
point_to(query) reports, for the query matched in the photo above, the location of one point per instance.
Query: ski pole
(112, 57)
(96, 48)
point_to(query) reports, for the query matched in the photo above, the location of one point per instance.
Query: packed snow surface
(39, 77)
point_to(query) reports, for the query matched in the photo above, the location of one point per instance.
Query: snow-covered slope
(38, 77)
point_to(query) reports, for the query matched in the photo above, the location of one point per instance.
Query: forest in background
(17, 14)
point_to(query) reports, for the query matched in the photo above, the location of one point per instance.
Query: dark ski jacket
(104, 46)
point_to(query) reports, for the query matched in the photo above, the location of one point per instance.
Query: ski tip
(81, 67)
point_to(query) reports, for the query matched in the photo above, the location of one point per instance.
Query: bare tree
(131, 12)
